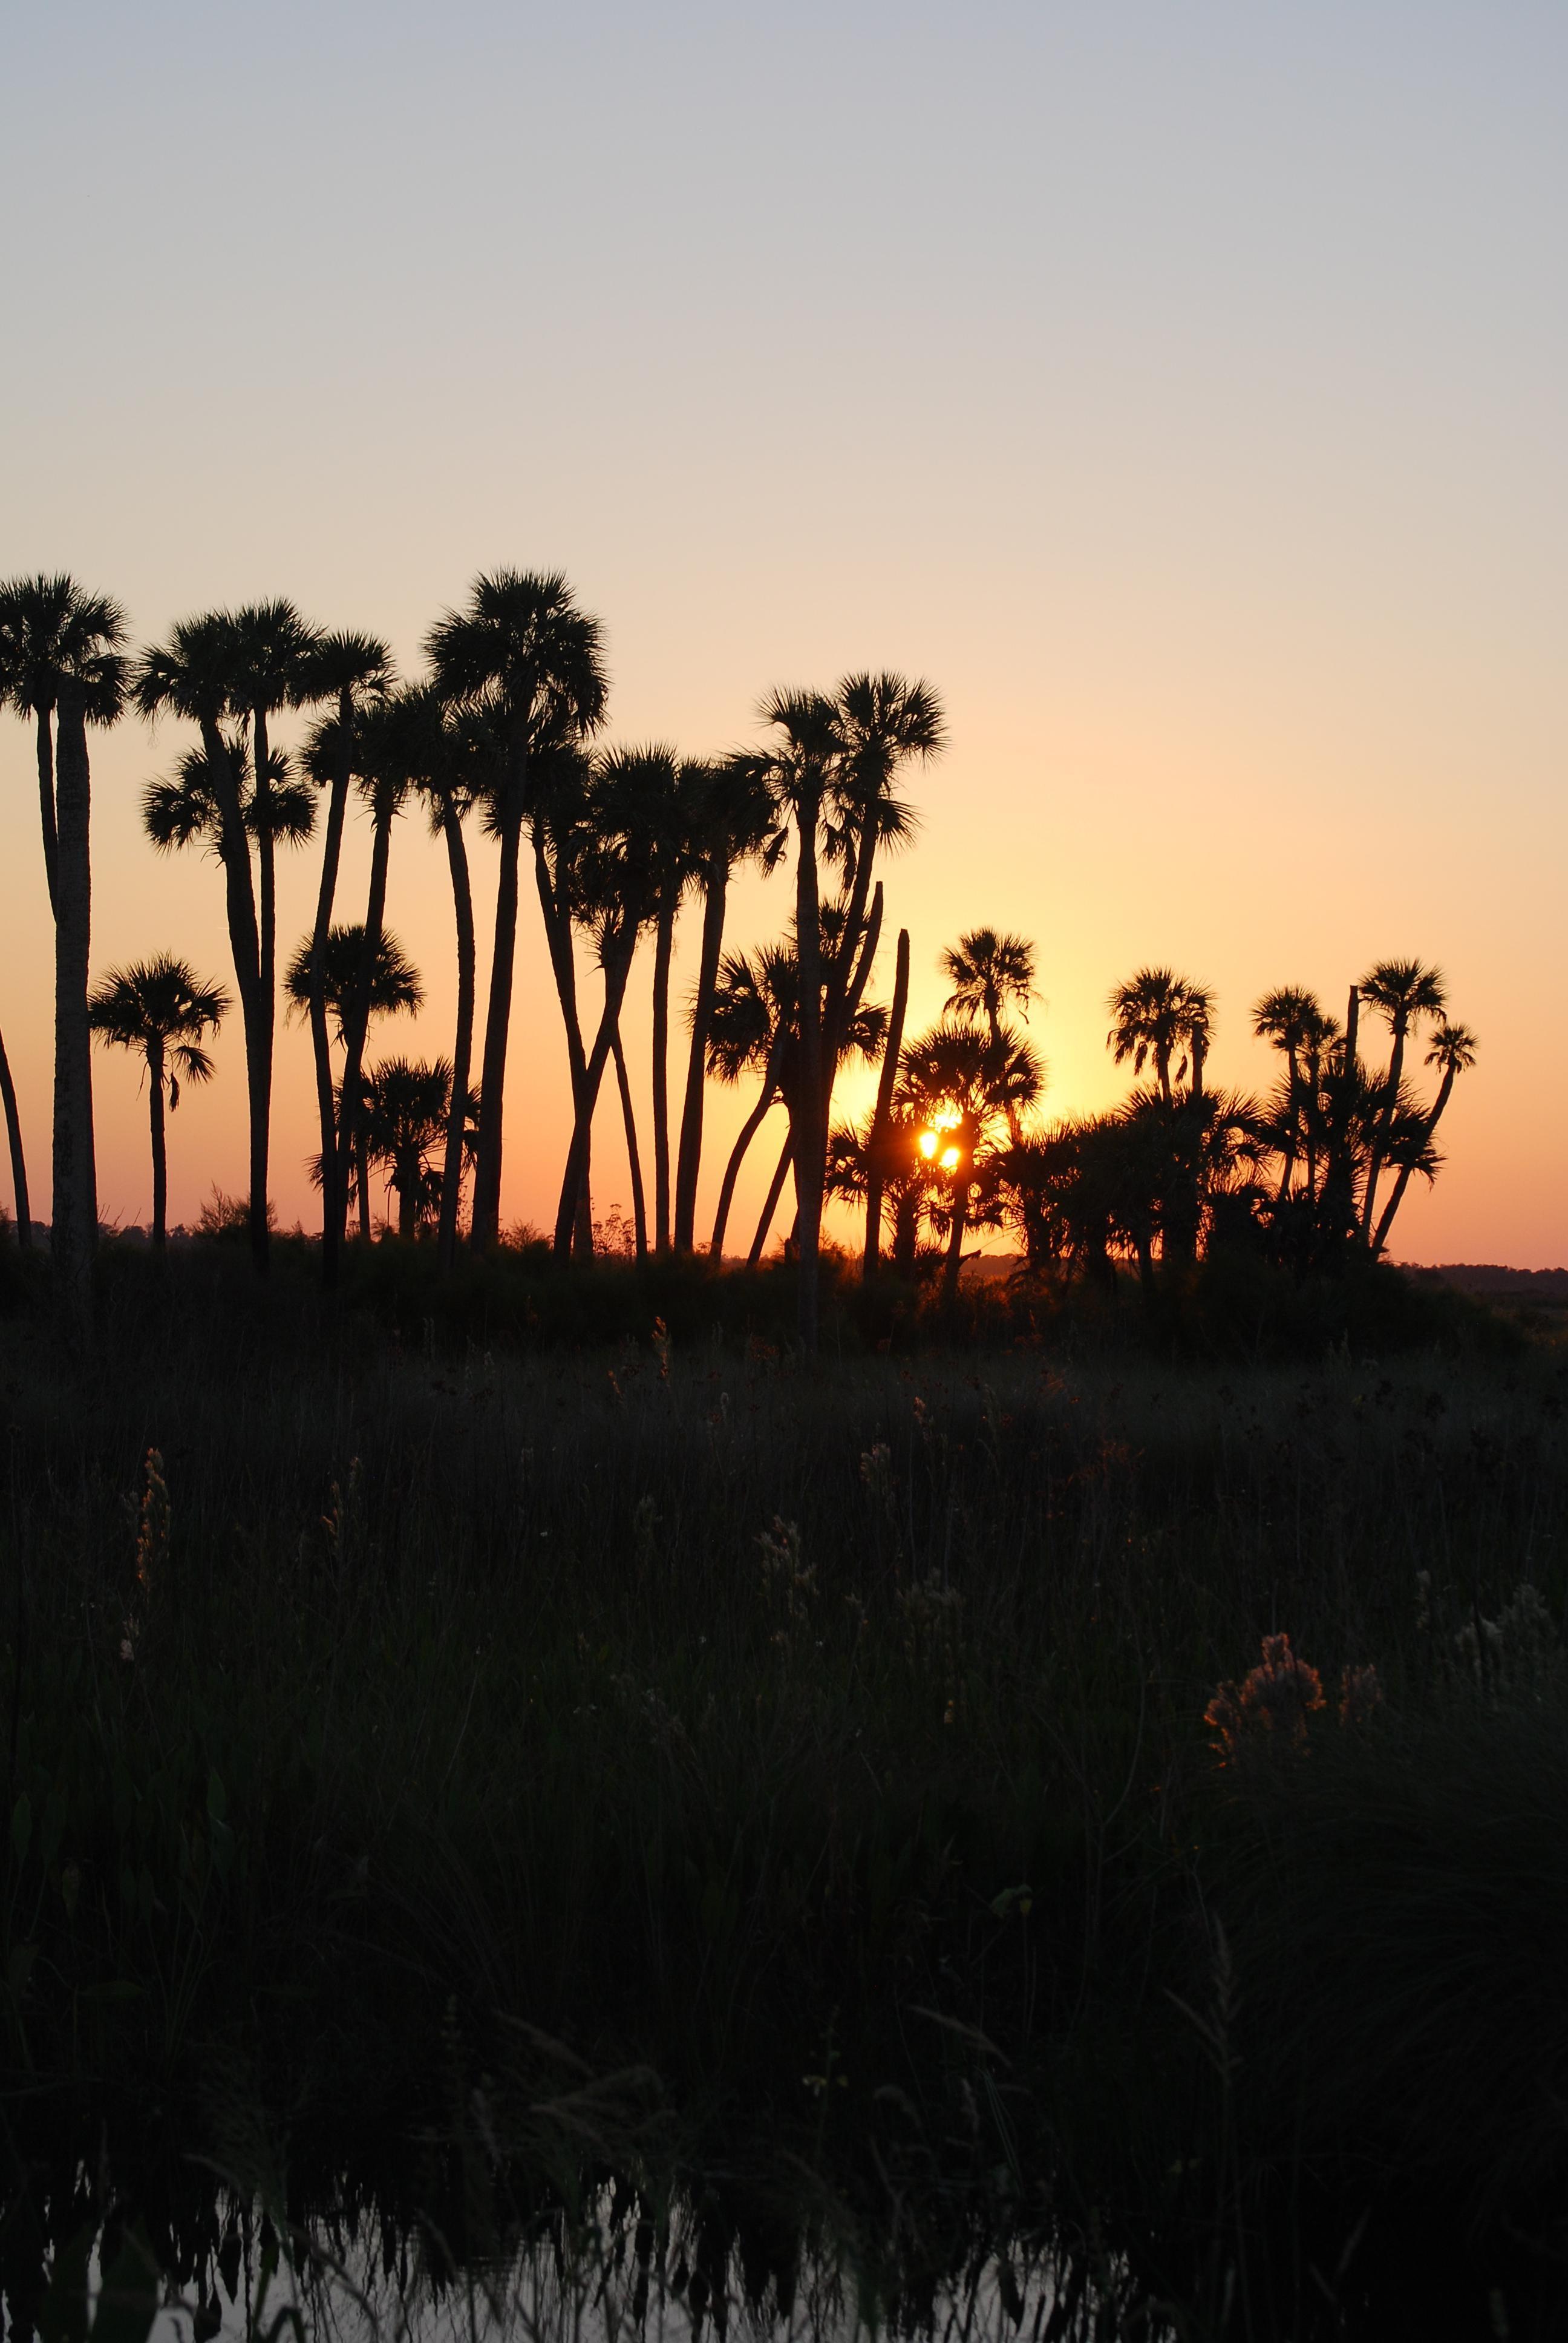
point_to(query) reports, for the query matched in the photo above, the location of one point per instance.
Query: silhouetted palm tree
(60, 664)
(751, 1027)
(734, 820)
(523, 656)
(1157, 1016)
(193, 676)
(1402, 991)
(354, 673)
(880, 1145)
(162, 1009)
(989, 974)
(615, 884)
(394, 989)
(1451, 1050)
(453, 776)
(962, 1084)
(1291, 1018)
(404, 1113)
(19, 1158)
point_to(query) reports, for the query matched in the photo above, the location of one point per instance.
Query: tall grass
(827, 1744)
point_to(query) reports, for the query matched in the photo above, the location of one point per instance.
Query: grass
(806, 1765)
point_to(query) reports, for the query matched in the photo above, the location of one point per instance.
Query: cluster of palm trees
(503, 728)
(1310, 1175)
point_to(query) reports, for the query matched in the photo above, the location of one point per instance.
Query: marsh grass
(825, 1748)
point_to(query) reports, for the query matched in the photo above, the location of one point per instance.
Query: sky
(1178, 388)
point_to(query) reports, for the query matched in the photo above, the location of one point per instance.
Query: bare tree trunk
(160, 1149)
(879, 1119)
(46, 809)
(18, 1159)
(771, 1205)
(688, 1158)
(239, 903)
(463, 1040)
(76, 1199)
(810, 1164)
(663, 944)
(633, 1156)
(332, 1200)
(486, 1225)
(563, 965)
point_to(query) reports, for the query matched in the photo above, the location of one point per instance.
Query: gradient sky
(1180, 387)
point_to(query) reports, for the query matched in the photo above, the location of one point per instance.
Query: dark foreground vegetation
(487, 1785)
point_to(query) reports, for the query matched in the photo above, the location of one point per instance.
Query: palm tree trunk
(18, 1159)
(46, 809)
(409, 1199)
(954, 1260)
(1377, 1153)
(748, 1130)
(160, 1147)
(463, 1040)
(563, 967)
(806, 1134)
(357, 1023)
(633, 1157)
(267, 857)
(663, 944)
(906, 1231)
(486, 1225)
(688, 1157)
(362, 1169)
(1385, 1224)
(771, 1204)
(885, 1086)
(239, 899)
(75, 1200)
(618, 968)
(332, 1205)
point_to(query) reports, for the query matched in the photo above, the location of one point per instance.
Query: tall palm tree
(962, 1085)
(616, 890)
(165, 1011)
(18, 1158)
(1158, 1015)
(734, 822)
(1402, 991)
(1452, 1051)
(525, 658)
(60, 663)
(562, 834)
(451, 778)
(803, 754)
(354, 673)
(989, 974)
(1291, 1019)
(193, 676)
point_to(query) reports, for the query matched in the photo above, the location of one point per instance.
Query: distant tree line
(504, 729)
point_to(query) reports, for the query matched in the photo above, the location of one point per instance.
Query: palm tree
(161, 1009)
(353, 999)
(193, 676)
(525, 656)
(1402, 991)
(560, 824)
(962, 1086)
(751, 1027)
(353, 672)
(1452, 1051)
(803, 759)
(1291, 1018)
(448, 784)
(989, 974)
(404, 1113)
(616, 883)
(18, 1159)
(1157, 1015)
(734, 822)
(878, 1138)
(60, 664)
